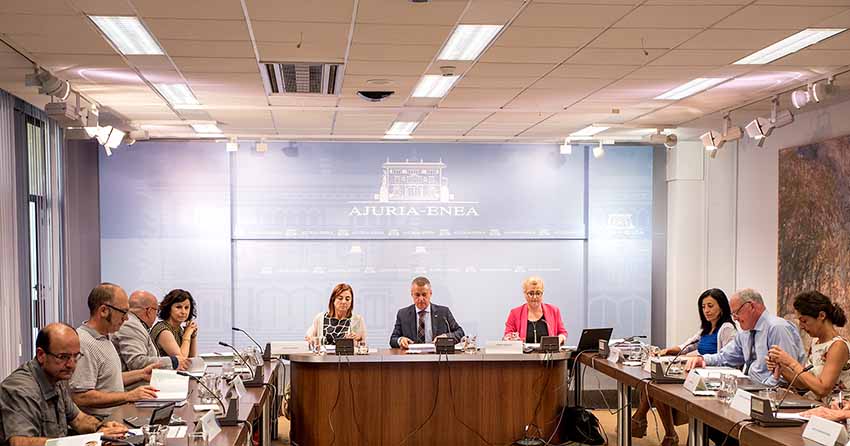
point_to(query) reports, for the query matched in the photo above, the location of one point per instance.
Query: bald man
(133, 340)
(98, 384)
(35, 402)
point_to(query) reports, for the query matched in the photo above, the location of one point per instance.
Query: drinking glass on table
(155, 434)
(196, 439)
(773, 395)
(471, 344)
(227, 370)
(728, 388)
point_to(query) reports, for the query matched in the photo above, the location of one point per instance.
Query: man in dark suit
(423, 321)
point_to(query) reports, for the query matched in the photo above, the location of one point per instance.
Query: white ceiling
(558, 66)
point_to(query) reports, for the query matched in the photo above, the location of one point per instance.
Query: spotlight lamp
(712, 140)
(599, 151)
(48, 84)
(566, 147)
(760, 128)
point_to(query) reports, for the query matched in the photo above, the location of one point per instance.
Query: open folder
(171, 386)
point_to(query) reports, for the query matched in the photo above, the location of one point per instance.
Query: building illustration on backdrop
(406, 181)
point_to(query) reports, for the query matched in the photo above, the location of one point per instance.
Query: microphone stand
(791, 385)
(667, 371)
(254, 382)
(229, 415)
(252, 340)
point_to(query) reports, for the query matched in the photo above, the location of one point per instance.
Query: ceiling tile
(243, 118)
(563, 15)
(810, 57)
(85, 41)
(569, 71)
(389, 52)
(208, 48)
(546, 99)
(400, 34)
(297, 120)
(58, 62)
(735, 39)
(382, 69)
(370, 122)
(216, 65)
(103, 7)
(838, 21)
(336, 11)
(187, 29)
(495, 82)
(492, 12)
(36, 7)
(478, 97)
(575, 85)
(190, 9)
(604, 56)
(779, 17)
(500, 54)
(101, 76)
(308, 33)
(522, 36)
(643, 38)
(837, 42)
(683, 74)
(408, 13)
(695, 58)
(312, 52)
(43, 24)
(487, 69)
(670, 16)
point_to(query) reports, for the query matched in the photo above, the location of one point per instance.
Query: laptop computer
(590, 337)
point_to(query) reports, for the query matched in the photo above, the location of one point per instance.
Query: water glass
(155, 434)
(227, 370)
(712, 381)
(471, 345)
(728, 388)
(197, 439)
(362, 348)
(773, 395)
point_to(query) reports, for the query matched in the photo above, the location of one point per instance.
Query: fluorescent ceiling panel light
(789, 45)
(588, 131)
(693, 87)
(434, 86)
(177, 94)
(128, 35)
(401, 129)
(468, 41)
(206, 128)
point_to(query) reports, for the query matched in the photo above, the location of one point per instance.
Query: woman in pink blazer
(534, 319)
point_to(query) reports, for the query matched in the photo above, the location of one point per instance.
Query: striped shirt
(98, 369)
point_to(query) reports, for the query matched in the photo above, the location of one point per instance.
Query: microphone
(791, 386)
(249, 337)
(199, 381)
(666, 372)
(250, 369)
(449, 328)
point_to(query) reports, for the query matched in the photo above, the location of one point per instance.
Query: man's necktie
(420, 332)
(752, 356)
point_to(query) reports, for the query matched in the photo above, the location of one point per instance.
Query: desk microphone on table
(250, 369)
(791, 386)
(667, 372)
(249, 337)
(201, 382)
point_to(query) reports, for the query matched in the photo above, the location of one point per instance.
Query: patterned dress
(817, 359)
(335, 328)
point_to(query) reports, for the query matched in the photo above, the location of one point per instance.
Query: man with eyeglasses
(759, 331)
(98, 383)
(35, 402)
(133, 340)
(423, 321)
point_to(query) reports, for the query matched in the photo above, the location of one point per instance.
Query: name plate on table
(695, 384)
(741, 401)
(238, 387)
(287, 348)
(504, 347)
(825, 432)
(209, 425)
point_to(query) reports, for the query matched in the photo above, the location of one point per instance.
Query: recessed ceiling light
(128, 35)
(206, 128)
(690, 88)
(468, 41)
(177, 94)
(789, 45)
(588, 131)
(434, 86)
(401, 129)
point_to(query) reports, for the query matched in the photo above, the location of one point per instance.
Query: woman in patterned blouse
(339, 321)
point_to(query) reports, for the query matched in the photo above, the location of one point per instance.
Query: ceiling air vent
(301, 78)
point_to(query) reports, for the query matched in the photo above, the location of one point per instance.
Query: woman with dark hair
(829, 352)
(716, 330)
(339, 321)
(169, 334)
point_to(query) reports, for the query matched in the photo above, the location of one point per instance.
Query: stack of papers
(421, 348)
(171, 387)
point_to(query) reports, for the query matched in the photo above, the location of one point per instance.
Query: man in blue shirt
(759, 331)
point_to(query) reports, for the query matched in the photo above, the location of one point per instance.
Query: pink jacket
(518, 321)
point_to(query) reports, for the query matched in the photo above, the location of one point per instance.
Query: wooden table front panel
(473, 402)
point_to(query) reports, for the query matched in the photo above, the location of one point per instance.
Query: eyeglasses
(533, 293)
(122, 311)
(738, 311)
(65, 357)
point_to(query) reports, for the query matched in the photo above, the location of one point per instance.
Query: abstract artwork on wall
(814, 222)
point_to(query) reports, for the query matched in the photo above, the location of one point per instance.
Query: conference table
(389, 397)
(701, 411)
(258, 406)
